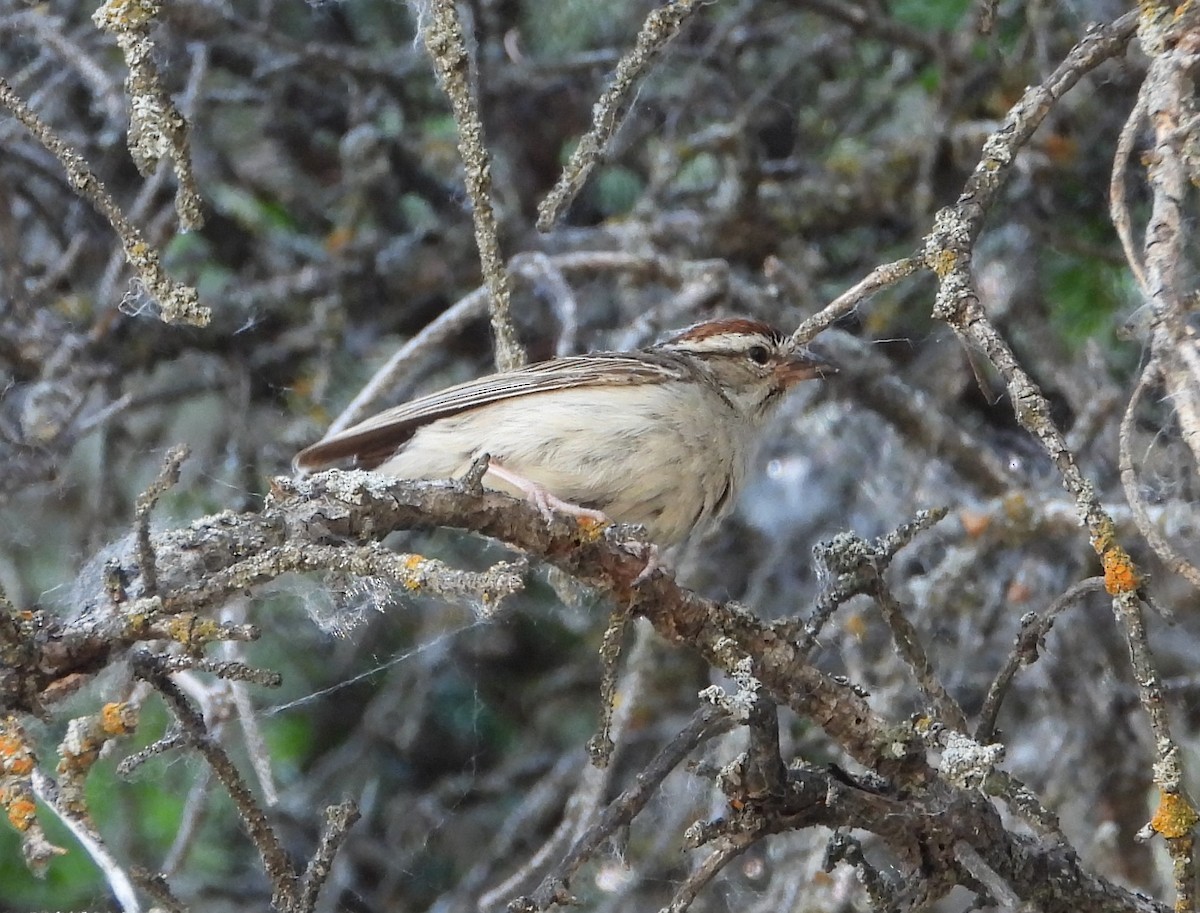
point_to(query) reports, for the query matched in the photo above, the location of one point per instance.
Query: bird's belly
(641, 462)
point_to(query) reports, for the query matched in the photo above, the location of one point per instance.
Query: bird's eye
(759, 355)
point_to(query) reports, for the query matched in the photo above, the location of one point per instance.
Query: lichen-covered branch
(443, 36)
(179, 303)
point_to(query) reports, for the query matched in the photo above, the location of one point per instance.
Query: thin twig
(908, 646)
(178, 303)
(854, 565)
(155, 884)
(610, 109)
(842, 847)
(879, 278)
(1034, 628)
(1169, 90)
(580, 818)
(600, 746)
(443, 37)
(119, 881)
(1137, 504)
(727, 848)
(195, 808)
(275, 860)
(949, 249)
(1118, 207)
(705, 723)
(873, 23)
(338, 821)
(168, 476)
(1002, 893)
(157, 129)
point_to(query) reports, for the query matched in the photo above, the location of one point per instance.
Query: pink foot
(653, 563)
(546, 502)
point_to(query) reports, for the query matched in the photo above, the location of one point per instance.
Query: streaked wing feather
(372, 441)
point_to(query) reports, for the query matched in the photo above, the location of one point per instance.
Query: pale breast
(668, 456)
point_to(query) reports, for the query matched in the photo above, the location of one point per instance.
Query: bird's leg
(545, 501)
(654, 563)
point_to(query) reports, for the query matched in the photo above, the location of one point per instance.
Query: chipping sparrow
(658, 437)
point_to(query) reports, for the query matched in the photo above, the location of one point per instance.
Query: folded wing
(371, 442)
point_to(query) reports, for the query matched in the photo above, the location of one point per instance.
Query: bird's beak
(803, 365)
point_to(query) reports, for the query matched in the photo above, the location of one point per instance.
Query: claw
(653, 563)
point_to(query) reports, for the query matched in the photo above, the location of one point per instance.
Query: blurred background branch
(770, 159)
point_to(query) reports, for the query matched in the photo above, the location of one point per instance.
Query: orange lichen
(118, 718)
(15, 757)
(1120, 576)
(9, 746)
(413, 564)
(21, 812)
(592, 529)
(1175, 816)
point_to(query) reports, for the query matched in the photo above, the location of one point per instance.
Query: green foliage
(254, 213)
(930, 79)
(930, 14)
(699, 172)
(149, 805)
(71, 881)
(617, 189)
(289, 740)
(1084, 294)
